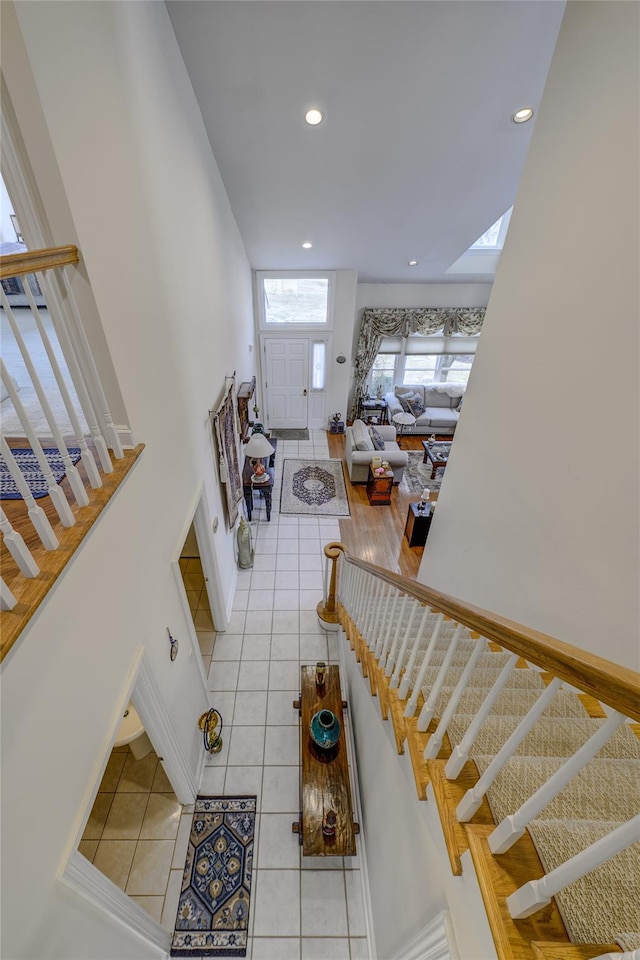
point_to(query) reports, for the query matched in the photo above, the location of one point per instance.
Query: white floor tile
(263, 581)
(260, 600)
(321, 863)
(355, 903)
(287, 532)
(227, 646)
(310, 580)
(264, 561)
(213, 778)
(282, 746)
(277, 903)
(325, 948)
(359, 948)
(223, 674)
(284, 675)
(311, 561)
(171, 898)
(286, 646)
(288, 546)
(244, 782)
(246, 747)
(253, 675)
(280, 790)
(236, 622)
(182, 840)
(280, 709)
(284, 621)
(287, 580)
(309, 599)
(309, 622)
(288, 521)
(287, 561)
(285, 600)
(250, 708)
(313, 648)
(224, 702)
(276, 948)
(278, 847)
(264, 546)
(256, 646)
(240, 600)
(258, 621)
(323, 903)
(311, 546)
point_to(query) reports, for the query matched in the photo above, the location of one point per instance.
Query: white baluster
(389, 619)
(92, 372)
(532, 896)
(391, 656)
(460, 753)
(397, 670)
(18, 548)
(513, 826)
(7, 599)
(417, 687)
(36, 514)
(380, 610)
(358, 595)
(361, 601)
(406, 680)
(54, 490)
(474, 796)
(75, 372)
(432, 748)
(387, 650)
(374, 602)
(428, 708)
(86, 456)
(75, 480)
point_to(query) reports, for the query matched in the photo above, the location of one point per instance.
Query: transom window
(303, 300)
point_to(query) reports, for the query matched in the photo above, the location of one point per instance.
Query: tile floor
(301, 908)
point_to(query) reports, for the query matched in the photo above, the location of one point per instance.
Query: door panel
(287, 382)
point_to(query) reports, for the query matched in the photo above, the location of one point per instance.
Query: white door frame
(78, 873)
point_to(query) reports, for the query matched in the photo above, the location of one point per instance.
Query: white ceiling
(417, 155)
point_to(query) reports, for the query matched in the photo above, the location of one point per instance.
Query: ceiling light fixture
(412, 263)
(313, 117)
(521, 116)
(306, 245)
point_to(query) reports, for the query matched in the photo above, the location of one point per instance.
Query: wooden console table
(324, 774)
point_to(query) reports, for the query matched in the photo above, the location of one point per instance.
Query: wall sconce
(211, 725)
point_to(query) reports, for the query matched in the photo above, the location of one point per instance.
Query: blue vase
(325, 729)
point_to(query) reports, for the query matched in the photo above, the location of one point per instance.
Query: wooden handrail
(614, 685)
(18, 264)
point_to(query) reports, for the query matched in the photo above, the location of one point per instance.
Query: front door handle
(304, 393)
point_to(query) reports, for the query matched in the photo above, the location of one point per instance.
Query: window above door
(300, 300)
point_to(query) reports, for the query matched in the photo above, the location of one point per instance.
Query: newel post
(326, 609)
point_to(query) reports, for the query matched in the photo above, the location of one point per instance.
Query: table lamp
(257, 448)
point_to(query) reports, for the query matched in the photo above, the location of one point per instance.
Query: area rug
(290, 434)
(26, 460)
(314, 487)
(417, 475)
(213, 910)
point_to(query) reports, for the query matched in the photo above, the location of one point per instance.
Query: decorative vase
(325, 729)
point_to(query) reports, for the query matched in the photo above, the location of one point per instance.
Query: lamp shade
(258, 447)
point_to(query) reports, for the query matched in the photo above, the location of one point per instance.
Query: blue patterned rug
(213, 911)
(30, 468)
(314, 488)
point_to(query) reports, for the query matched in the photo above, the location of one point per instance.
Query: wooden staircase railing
(394, 628)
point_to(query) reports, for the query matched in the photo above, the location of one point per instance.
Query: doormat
(290, 434)
(213, 910)
(30, 469)
(314, 488)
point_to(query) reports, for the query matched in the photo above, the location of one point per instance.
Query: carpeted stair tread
(550, 737)
(512, 703)
(603, 905)
(602, 790)
(485, 677)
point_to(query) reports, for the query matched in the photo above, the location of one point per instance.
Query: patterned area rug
(213, 910)
(417, 475)
(26, 460)
(314, 487)
(290, 434)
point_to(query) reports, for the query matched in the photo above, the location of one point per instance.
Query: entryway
(295, 378)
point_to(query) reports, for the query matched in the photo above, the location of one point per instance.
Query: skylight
(493, 238)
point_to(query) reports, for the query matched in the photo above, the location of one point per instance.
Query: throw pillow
(376, 439)
(416, 406)
(404, 402)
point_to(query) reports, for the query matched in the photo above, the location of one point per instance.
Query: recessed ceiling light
(313, 117)
(413, 263)
(307, 245)
(521, 116)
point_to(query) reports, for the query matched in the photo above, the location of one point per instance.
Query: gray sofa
(359, 450)
(441, 402)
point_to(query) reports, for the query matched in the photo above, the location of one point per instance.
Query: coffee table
(437, 454)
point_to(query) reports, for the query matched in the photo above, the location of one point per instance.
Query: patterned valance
(381, 322)
(401, 321)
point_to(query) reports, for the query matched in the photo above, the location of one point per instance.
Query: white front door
(287, 382)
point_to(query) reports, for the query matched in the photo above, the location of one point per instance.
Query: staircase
(529, 747)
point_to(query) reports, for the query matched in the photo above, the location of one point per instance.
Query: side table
(379, 488)
(417, 526)
(374, 407)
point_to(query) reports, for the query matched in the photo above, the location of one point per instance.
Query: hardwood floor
(376, 533)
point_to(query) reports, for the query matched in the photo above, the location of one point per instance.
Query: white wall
(534, 520)
(132, 157)
(7, 233)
